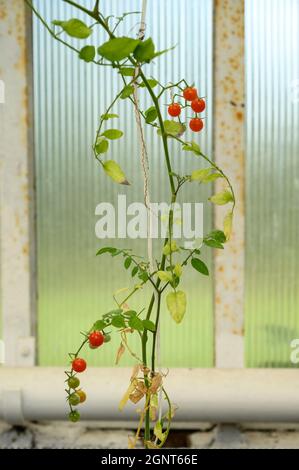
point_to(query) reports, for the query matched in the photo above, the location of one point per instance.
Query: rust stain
(239, 116)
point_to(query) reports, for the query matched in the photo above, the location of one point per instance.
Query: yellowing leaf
(200, 175)
(164, 276)
(113, 170)
(176, 304)
(222, 198)
(126, 396)
(158, 431)
(228, 225)
(170, 248)
(178, 270)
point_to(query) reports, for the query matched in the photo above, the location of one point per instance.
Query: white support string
(146, 189)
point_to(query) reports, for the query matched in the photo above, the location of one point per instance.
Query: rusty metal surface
(17, 211)
(229, 97)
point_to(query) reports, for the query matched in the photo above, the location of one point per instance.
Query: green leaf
(106, 249)
(173, 128)
(217, 235)
(74, 28)
(228, 225)
(149, 325)
(127, 72)
(118, 48)
(127, 91)
(151, 81)
(145, 51)
(87, 53)
(212, 177)
(200, 266)
(213, 244)
(158, 53)
(107, 116)
(113, 313)
(176, 304)
(99, 325)
(222, 198)
(118, 321)
(151, 114)
(115, 172)
(134, 271)
(192, 147)
(113, 134)
(164, 276)
(127, 262)
(130, 313)
(143, 275)
(136, 323)
(102, 146)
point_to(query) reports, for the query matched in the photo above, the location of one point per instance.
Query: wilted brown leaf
(120, 352)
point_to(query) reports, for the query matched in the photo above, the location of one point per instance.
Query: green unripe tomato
(74, 416)
(107, 338)
(74, 399)
(73, 382)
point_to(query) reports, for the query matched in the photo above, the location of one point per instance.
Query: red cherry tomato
(96, 339)
(196, 124)
(79, 365)
(174, 109)
(198, 105)
(190, 94)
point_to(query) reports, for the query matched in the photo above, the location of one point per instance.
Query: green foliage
(118, 321)
(145, 51)
(205, 175)
(99, 325)
(113, 134)
(87, 53)
(192, 147)
(136, 323)
(149, 325)
(127, 91)
(102, 146)
(151, 114)
(151, 82)
(200, 266)
(107, 116)
(74, 28)
(118, 49)
(222, 198)
(127, 71)
(173, 128)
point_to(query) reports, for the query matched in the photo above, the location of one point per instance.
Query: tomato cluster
(76, 396)
(198, 105)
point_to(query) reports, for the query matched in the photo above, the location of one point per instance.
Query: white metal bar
(229, 93)
(208, 395)
(17, 201)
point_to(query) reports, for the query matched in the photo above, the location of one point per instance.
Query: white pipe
(209, 395)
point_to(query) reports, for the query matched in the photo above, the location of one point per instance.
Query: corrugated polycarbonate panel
(272, 230)
(75, 287)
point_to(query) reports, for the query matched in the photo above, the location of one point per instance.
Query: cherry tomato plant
(128, 56)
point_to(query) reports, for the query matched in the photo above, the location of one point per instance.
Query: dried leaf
(135, 371)
(136, 396)
(155, 384)
(153, 406)
(120, 352)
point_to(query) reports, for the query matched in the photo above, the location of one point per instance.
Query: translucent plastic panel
(75, 287)
(272, 262)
